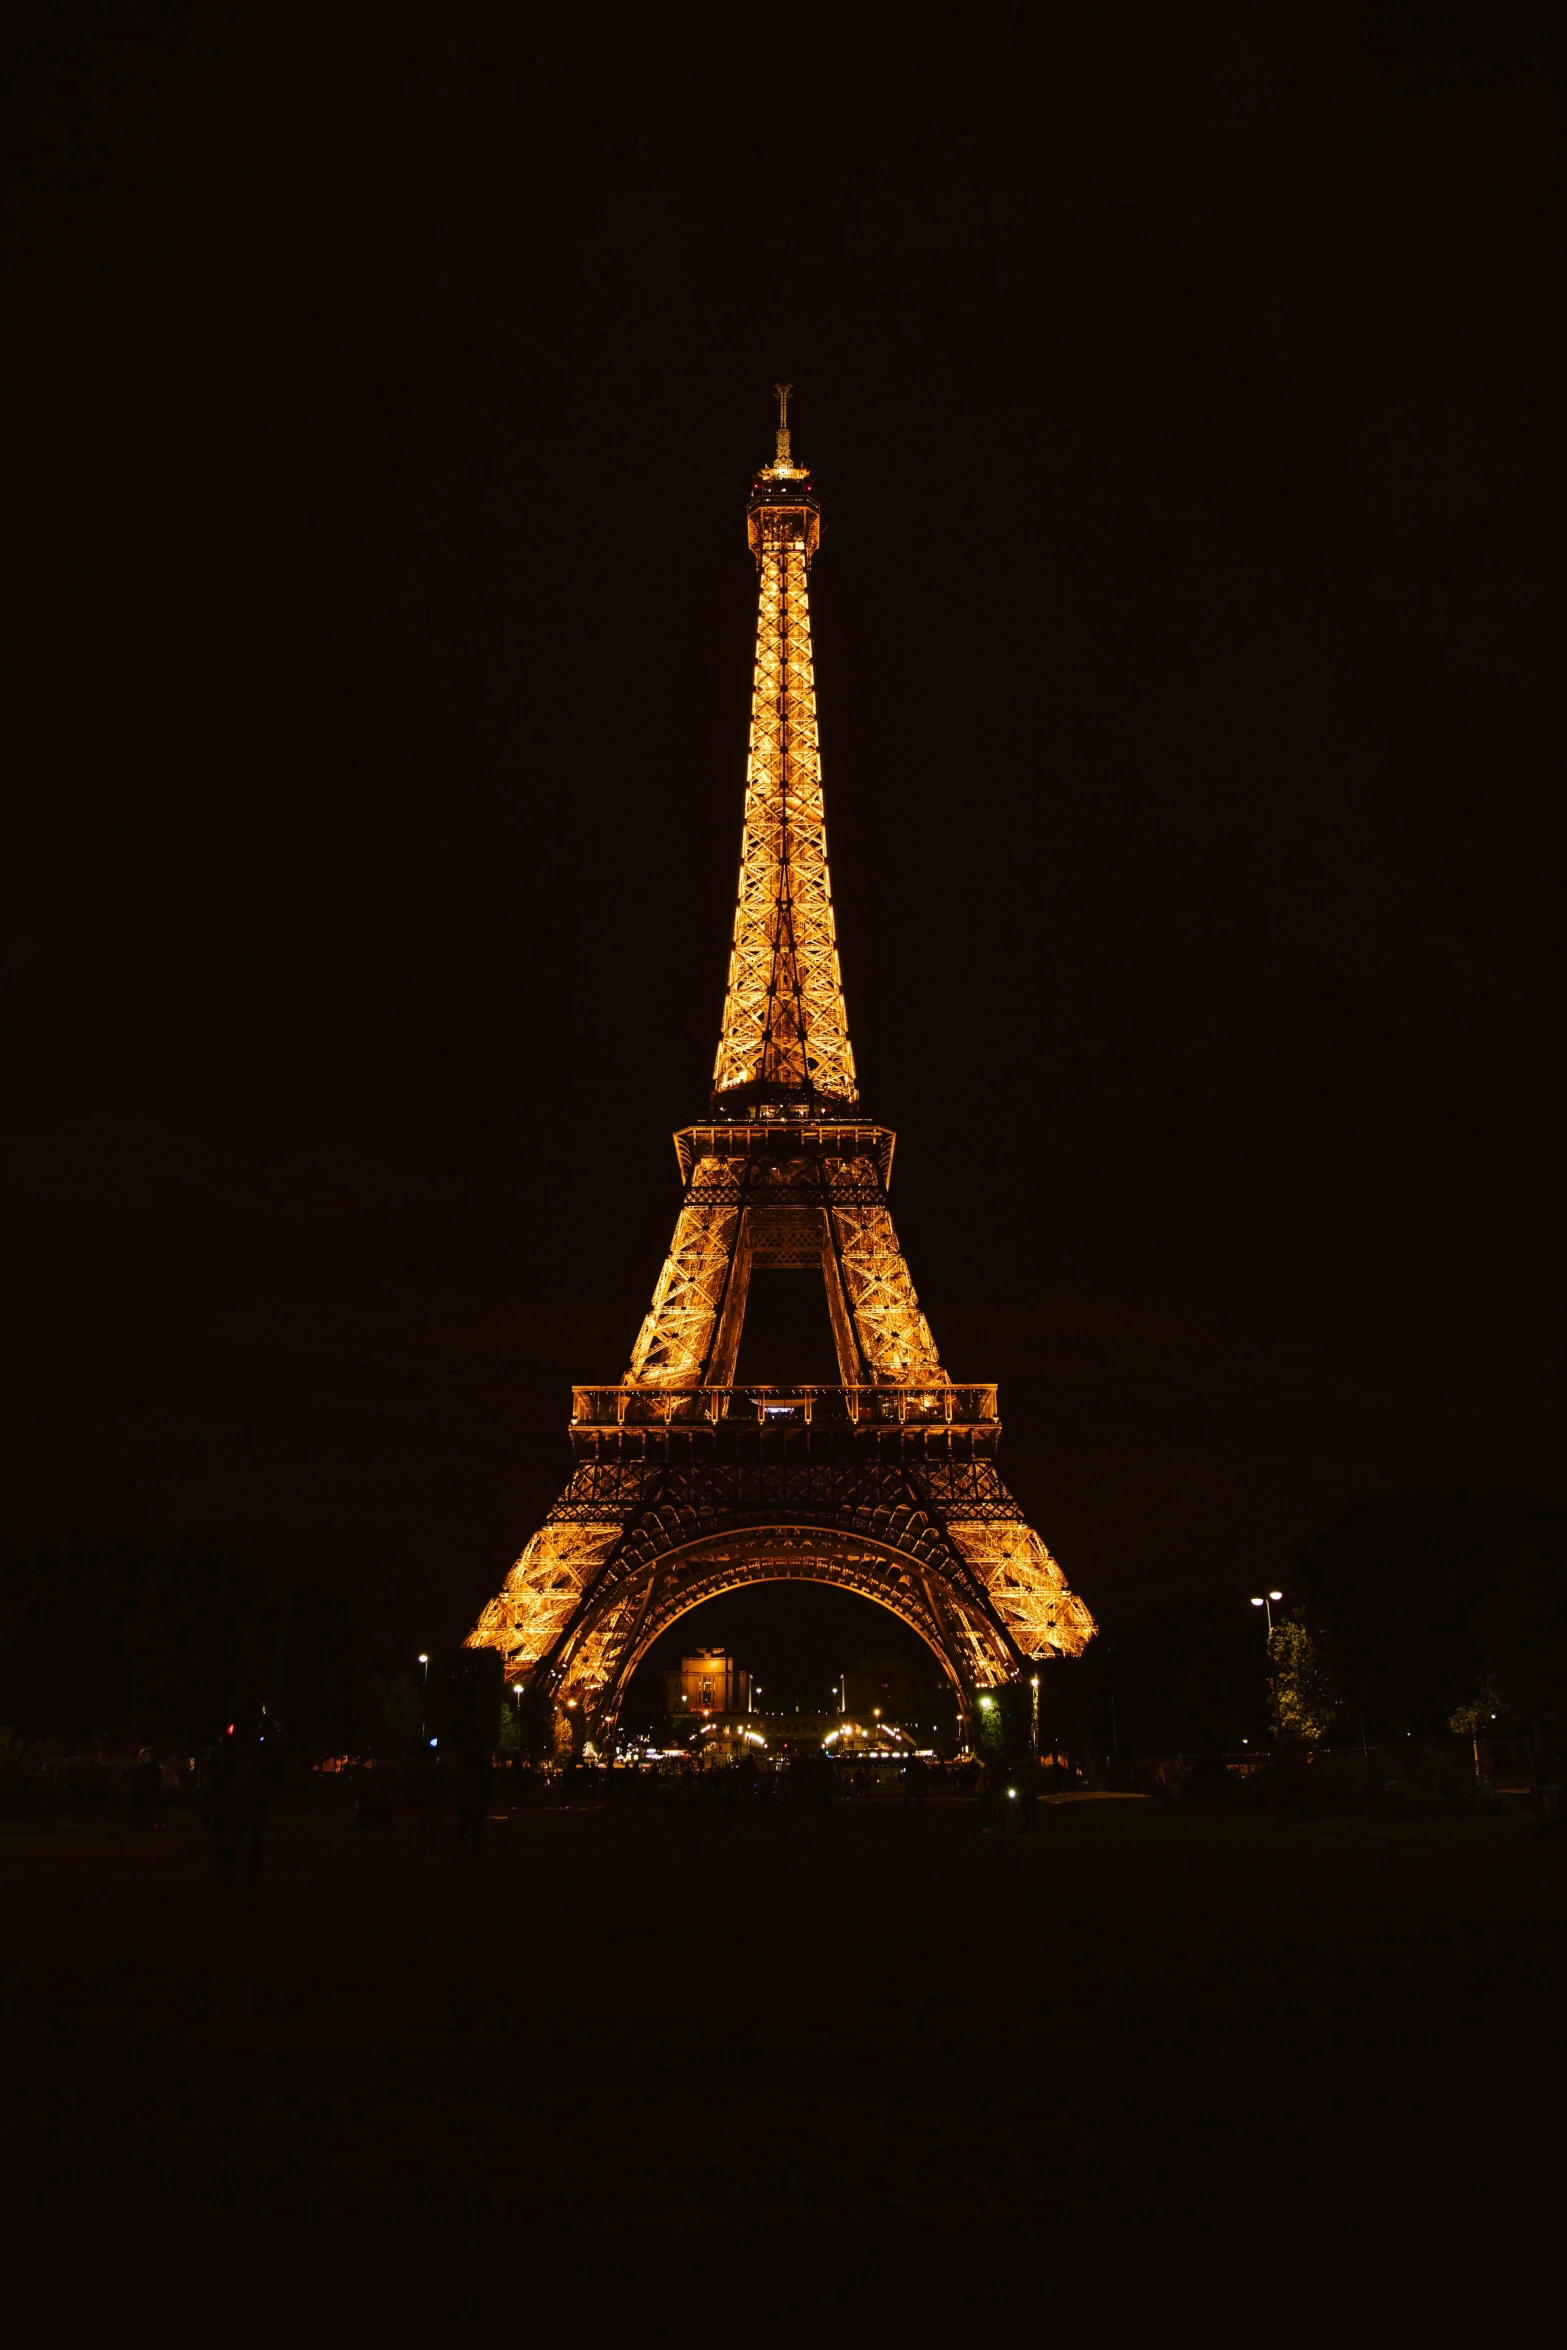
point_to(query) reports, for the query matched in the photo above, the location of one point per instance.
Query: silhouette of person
(429, 1795)
(146, 1791)
(240, 1794)
(373, 1798)
(473, 1798)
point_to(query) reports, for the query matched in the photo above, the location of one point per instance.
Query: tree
(1521, 1627)
(157, 1638)
(1413, 1598)
(205, 1636)
(323, 1672)
(396, 1709)
(1301, 1698)
(1474, 1715)
(1186, 1678)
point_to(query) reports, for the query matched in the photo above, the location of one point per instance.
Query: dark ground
(808, 2062)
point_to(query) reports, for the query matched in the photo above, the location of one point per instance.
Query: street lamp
(1034, 1685)
(1267, 1603)
(516, 1690)
(424, 1691)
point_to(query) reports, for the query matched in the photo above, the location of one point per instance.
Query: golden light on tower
(686, 1485)
(784, 1021)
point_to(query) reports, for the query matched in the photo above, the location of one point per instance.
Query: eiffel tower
(684, 1483)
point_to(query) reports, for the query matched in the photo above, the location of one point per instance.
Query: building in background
(901, 1689)
(708, 1683)
(892, 1686)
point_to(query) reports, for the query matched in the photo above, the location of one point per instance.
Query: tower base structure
(680, 1494)
(874, 1490)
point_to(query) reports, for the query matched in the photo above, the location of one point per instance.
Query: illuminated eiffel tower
(686, 1484)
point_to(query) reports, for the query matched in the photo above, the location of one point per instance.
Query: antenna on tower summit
(783, 391)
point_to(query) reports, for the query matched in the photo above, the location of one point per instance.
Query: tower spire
(785, 1030)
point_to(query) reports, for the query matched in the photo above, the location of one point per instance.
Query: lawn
(820, 2053)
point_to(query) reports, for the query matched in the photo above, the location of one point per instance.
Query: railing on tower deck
(782, 1406)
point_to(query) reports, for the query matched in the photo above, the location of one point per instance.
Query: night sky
(1185, 394)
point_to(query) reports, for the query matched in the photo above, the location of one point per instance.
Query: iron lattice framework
(685, 1485)
(784, 1019)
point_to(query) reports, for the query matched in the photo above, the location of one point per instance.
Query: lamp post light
(424, 1693)
(1034, 1686)
(1265, 1601)
(516, 1690)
